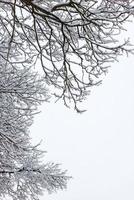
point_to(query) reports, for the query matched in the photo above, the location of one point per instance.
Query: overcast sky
(96, 147)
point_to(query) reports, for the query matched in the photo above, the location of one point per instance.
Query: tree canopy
(23, 175)
(73, 40)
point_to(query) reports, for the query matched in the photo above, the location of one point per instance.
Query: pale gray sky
(96, 147)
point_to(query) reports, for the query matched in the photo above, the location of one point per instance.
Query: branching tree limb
(22, 174)
(74, 40)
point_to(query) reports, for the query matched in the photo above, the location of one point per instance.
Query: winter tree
(73, 40)
(23, 176)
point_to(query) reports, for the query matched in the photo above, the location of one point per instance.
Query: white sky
(96, 147)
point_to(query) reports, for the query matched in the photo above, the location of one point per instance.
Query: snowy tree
(74, 40)
(23, 176)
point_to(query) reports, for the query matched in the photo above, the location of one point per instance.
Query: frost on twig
(75, 40)
(23, 176)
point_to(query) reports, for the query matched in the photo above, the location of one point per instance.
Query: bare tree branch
(22, 174)
(75, 41)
